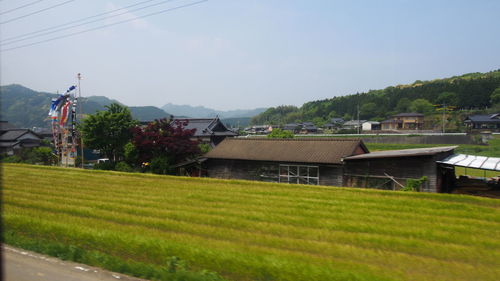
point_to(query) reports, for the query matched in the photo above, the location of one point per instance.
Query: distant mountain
(25, 108)
(204, 112)
(148, 113)
(102, 100)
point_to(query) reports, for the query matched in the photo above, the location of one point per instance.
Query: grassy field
(147, 225)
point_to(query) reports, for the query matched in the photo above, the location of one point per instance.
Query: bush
(414, 184)
(160, 165)
(123, 167)
(104, 166)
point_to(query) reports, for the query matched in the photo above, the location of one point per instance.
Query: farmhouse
(13, 140)
(305, 161)
(404, 121)
(209, 130)
(483, 122)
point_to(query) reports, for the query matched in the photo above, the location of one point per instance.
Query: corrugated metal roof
(472, 161)
(310, 150)
(403, 152)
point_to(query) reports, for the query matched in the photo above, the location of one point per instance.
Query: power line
(85, 23)
(75, 21)
(37, 12)
(20, 7)
(104, 26)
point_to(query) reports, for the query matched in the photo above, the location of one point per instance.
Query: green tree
(403, 105)
(280, 134)
(421, 106)
(495, 96)
(109, 131)
(368, 110)
(447, 98)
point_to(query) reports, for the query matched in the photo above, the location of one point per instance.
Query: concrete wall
(465, 139)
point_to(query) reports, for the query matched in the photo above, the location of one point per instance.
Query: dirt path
(21, 265)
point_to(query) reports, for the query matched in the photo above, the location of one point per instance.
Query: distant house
(370, 126)
(13, 140)
(353, 124)
(335, 123)
(209, 130)
(308, 128)
(293, 127)
(306, 161)
(483, 122)
(404, 121)
(259, 129)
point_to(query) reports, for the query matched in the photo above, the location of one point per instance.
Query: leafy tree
(280, 134)
(368, 110)
(495, 96)
(108, 130)
(447, 98)
(403, 105)
(163, 144)
(421, 106)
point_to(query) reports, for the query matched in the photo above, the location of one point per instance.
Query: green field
(137, 223)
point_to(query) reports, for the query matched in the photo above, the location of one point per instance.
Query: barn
(305, 161)
(392, 169)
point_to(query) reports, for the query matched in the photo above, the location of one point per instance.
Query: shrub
(414, 184)
(123, 167)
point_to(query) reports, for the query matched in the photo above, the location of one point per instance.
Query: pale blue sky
(229, 54)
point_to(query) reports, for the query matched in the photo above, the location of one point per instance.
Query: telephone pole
(79, 76)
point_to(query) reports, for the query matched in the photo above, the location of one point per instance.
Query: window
(299, 174)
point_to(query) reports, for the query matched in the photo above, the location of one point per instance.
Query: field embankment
(137, 223)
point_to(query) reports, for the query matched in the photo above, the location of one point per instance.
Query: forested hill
(25, 108)
(469, 91)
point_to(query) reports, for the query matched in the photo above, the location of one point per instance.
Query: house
(308, 128)
(404, 121)
(259, 129)
(483, 122)
(13, 140)
(335, 123)
(353, 124)
(293, 127)
(370, 126)
(209, 130)
(306, 161)
(393, 168)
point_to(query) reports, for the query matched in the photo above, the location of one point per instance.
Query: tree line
(469, 91)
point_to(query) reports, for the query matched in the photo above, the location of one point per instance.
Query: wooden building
(391, 169)
(489, 122)
(404, 121)
(208, 130)
(304, 161)
(14, 140)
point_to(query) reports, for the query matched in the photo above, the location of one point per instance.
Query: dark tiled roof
(12, 135)
(317, 150)
(492, 118)
(403, 153)
(206, 127)
(411, 114)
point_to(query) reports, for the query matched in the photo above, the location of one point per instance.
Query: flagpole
(81, 115)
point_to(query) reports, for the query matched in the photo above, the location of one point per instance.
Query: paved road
(21, 265)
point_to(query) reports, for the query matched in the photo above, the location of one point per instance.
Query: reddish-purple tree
(162, 139)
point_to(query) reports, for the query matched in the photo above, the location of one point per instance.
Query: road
(21, 265)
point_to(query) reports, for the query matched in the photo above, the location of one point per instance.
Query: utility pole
(79, 76)
(444, 113)
(359, 129)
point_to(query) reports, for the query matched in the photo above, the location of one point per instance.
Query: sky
(237, 54)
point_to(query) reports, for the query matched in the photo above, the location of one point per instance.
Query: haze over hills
(26, 108)
(204, 112)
